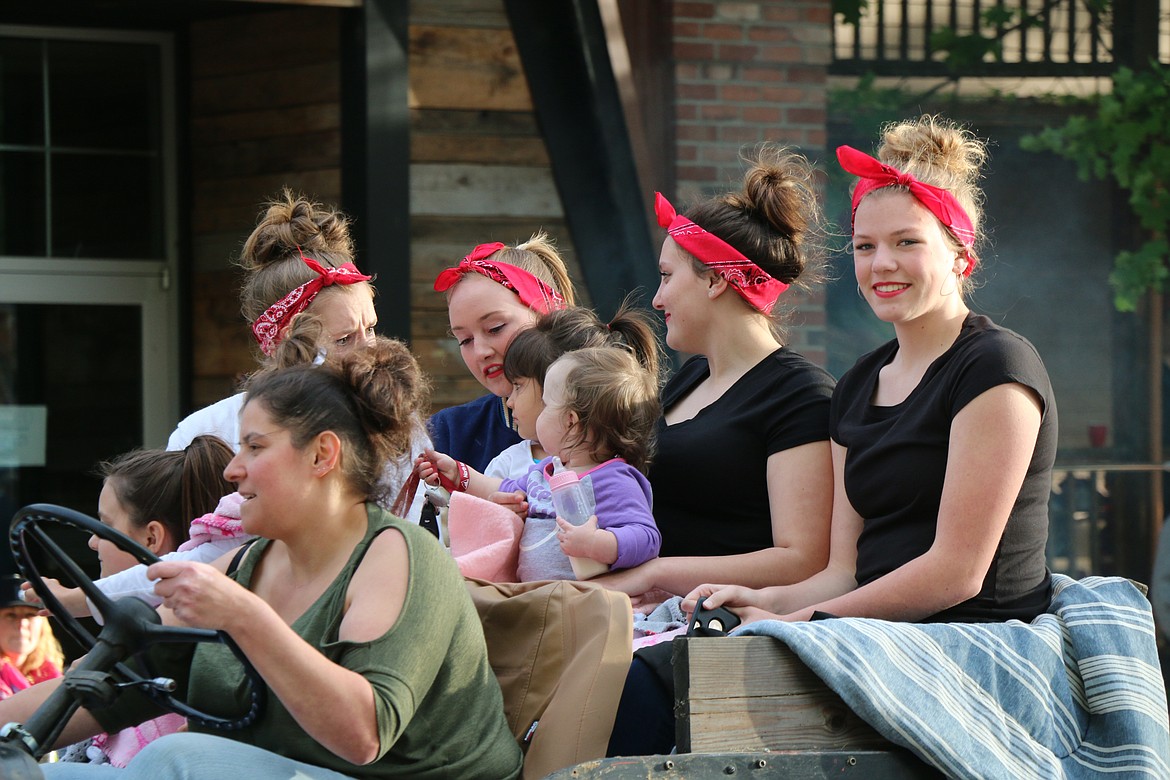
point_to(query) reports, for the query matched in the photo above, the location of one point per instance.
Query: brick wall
(748, 72)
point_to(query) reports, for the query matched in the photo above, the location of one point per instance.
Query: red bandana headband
(533, 293)
(752, 283)
(269, 326)
(876, 175)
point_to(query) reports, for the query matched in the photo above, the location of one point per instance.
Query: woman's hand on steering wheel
(198, 594)
(26, 530)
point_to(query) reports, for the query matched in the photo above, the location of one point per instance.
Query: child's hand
(435, 468)
(71, 598)
(586, 540)
(517, 501)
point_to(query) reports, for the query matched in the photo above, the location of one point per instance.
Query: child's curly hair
(616, 402)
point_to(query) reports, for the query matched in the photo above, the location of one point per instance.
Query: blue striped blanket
(1076, 693)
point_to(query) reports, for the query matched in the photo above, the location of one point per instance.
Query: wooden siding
(479, 168)
(265, 114)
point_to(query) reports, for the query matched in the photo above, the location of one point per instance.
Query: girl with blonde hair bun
(944, 438)
(297, 261)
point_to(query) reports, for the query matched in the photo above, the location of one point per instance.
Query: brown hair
(938, 151)
(534, 349)
(539, 257)
(171, 486)
(305, 341)
(370, 398)
(616, 402)
(270, 258)
(771, 220)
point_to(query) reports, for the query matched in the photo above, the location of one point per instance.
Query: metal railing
(1050, 38)
(1104, 519)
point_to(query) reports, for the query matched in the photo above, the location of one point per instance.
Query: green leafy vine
(1127, 139)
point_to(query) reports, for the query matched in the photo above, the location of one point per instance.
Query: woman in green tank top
(358, 622)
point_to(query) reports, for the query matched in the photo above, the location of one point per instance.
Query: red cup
(1098, 433)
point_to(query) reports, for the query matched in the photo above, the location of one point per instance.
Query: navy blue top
(474, 432)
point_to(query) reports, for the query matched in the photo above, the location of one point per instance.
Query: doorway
(88, 259)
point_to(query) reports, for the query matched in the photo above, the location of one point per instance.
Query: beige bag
(560, 650)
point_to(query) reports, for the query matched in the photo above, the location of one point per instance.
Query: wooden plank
(265, 123)
(216, 252)
(225, 204)
(466, 68)
(265, 39)
(225, 345)
(473, 122)
(459, 13)
(751, 693)
(467, 231)
(764, 765)
(293, 86)
(306, 151)
(451, 148)
(483, 190)
(492, 137)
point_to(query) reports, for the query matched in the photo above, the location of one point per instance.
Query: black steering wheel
(146, 626)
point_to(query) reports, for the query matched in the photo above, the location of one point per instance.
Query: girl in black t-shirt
(742, 479)
(943, 439)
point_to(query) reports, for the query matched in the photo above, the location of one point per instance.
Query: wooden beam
(562, 47)
(466, 68)
(746, 694)
(375, 155)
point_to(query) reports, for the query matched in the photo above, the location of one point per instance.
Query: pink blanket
(485, 538)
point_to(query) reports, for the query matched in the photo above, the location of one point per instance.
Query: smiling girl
(944, 438)
(492, 294)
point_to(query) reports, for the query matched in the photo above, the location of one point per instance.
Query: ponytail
(534, 349)
(168, 486)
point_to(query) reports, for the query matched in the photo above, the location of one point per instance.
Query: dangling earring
(942, 293)
(860, 294)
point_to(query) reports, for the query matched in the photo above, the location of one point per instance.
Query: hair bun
(939, 152)
(936, 148)
(390, 392)
(291, 221)
(779, 187)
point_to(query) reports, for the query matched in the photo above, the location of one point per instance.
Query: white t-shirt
(512, 463)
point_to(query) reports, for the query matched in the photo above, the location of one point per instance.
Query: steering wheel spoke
(131, 626)
(73, 572)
